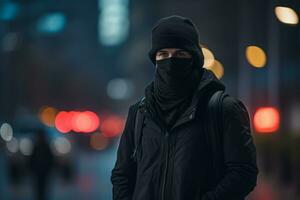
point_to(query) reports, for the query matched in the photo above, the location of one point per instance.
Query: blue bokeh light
(51, 23)
(8, 11)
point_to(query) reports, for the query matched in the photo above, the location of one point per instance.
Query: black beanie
(176, 32)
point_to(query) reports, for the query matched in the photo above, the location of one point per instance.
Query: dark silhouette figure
(42, 161)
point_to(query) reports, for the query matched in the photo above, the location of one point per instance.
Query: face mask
(175, 77)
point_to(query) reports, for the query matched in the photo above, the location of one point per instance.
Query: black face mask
(175, 78)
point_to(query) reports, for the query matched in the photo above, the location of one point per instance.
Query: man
(173, 159)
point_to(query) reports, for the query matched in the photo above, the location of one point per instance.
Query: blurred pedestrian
(42, 162)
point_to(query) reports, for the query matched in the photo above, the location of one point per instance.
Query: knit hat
(176, 32)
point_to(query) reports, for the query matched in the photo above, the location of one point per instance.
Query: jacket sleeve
(124, 172)
(239, 154)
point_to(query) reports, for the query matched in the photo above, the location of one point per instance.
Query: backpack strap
(215, 132)
(138, 129)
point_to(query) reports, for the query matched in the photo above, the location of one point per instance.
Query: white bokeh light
(6, 132)
(26, 146)
(120, 88)
(12, 146)
(62, 146)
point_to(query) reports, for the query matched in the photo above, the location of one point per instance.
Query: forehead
(171, 50)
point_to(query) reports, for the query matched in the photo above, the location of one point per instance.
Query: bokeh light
(208, 57)
(63, 122)
(26, 146)
(113, 24)
(51, 23)
(120, 88)
(286, 15)
(266, 120)
(98, 141)
(85, 122)
(62, 146)
(256, 56)
(13, 145)
(9, 10)
(112, 126)
(6, 132)
(217, 68)
(47, 116)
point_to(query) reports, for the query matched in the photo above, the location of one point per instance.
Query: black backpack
(215, 130)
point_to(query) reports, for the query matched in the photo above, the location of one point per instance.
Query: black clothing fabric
(175, 164)
(175, 81)
(176, 32)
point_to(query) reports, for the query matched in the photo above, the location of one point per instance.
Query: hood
(208, 85)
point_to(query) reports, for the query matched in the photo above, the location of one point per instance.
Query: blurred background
(69, 69)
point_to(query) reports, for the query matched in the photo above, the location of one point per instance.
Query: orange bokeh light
(99, 142)
(266, 120)
(47, 116)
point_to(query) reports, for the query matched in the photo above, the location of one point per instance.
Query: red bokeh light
(112, 126)
(266, 120)
(62, 122)
(84, 122)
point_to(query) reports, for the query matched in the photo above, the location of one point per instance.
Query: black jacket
(176, 164)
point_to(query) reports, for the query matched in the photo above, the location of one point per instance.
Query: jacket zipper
(166, 154)
(166, 165)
